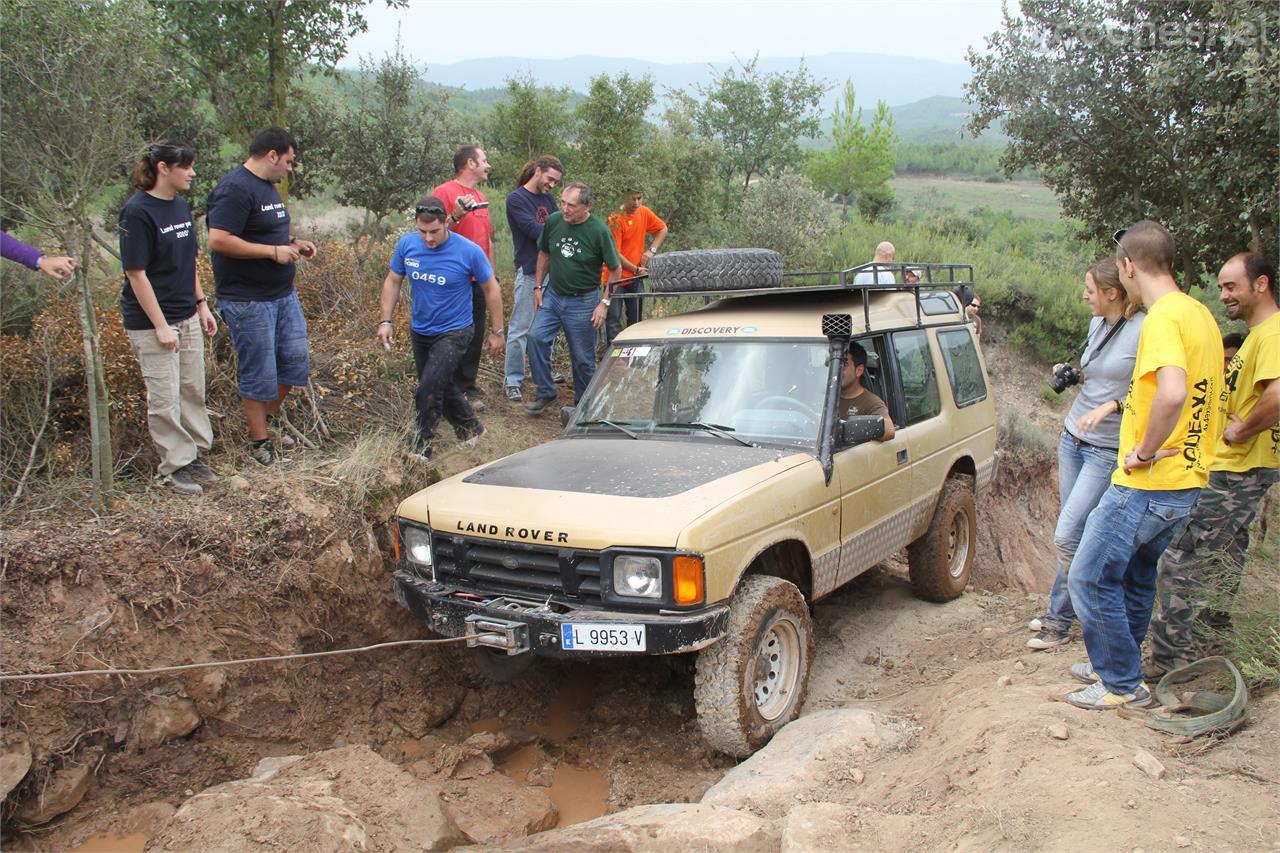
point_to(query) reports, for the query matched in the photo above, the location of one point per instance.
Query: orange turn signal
(395, 541)
(688, 580)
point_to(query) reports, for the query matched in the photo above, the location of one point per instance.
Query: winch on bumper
(516, 624)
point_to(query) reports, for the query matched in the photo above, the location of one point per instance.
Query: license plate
(602, 638)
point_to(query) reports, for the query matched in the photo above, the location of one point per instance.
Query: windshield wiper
(715, 429)
(618, 427)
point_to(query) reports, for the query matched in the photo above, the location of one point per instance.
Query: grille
(512, 567)
(838, 326)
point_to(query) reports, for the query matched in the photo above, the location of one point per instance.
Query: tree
(860, 164)
(758, 118)
(388, 142)
(74, 101)
(248, 53)
(611, 133)
(679, 173)
(1133, 109)
(533, 121)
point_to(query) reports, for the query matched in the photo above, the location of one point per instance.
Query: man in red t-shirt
(461, 196)
(629, 224)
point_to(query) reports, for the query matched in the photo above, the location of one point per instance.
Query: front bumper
(445, 609)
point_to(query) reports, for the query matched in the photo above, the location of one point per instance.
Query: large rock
(801, 762)
(61, 793)
(494, 808)
(662, 828)
(338, 800)
(15, 761)
(161, 721)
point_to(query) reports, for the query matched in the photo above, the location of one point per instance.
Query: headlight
(638, 576)
(417, 544)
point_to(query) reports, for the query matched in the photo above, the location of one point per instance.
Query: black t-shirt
(250, 208)
(156, 235)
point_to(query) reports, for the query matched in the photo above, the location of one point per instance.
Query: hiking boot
(263, 452)
(538, 404)
(180, 481)
(1035, 625)
(514, 394)
(559, 377)
(1047, 639)
(1096, 697)
(471, 440)
(473, 397)
(1153, 671)
(201, 472)
(1083, 673)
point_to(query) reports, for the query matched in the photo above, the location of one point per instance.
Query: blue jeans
(270, 338)
(518, 327)
(1113, 576)
(630, 307)
(573, 313)
(1084, 473)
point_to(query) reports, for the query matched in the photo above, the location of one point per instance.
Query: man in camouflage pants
(1203, 565)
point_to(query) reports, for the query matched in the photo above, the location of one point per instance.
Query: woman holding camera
(1091, 432)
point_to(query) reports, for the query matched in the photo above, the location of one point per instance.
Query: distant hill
(894, 79)
(936, 119)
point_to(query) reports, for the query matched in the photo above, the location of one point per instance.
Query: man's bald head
(885, 252)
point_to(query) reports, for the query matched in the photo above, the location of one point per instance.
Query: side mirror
(566, 414)
(860, 429)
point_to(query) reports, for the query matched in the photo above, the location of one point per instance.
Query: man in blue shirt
(440, 267)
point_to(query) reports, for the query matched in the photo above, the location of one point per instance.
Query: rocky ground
(927, 726)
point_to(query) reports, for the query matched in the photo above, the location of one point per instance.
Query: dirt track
(281, 564)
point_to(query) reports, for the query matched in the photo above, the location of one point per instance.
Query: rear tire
(941, 561)
(753, 682)
(710, 270)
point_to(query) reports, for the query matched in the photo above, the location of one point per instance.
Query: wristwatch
(605, 302)
(502, 333)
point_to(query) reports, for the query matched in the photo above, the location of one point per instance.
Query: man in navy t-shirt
(528, 207)
(254, 253)
(440, 267)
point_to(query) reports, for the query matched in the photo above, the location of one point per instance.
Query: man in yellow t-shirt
(1168, 432)
(1202, 567)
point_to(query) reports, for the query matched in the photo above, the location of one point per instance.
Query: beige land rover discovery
(706, 491)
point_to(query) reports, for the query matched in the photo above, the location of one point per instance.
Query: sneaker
(283, 438)
(201, 472)
(1083, 673)
(1047, 639)
(1096, 697)
(263, 452)
(559, 378)
(180, 481)
(538, 404)
(471, 440)
(514, 394)
(1035, 625)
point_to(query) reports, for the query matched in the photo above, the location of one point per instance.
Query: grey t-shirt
(1106, 377)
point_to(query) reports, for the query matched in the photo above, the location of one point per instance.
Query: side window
(876, 378)
(919, 382)
(963, 367)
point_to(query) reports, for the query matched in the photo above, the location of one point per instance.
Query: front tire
(940, 562)
(753, 682)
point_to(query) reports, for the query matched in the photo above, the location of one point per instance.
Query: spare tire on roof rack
(709, 270)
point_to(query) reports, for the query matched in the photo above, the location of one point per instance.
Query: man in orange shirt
(629, 224)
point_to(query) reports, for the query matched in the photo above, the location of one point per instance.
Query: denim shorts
(270, 338)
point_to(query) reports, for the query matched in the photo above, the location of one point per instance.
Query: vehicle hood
(597, 492)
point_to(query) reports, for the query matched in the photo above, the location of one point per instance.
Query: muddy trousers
(1203, 565)
(176, 415)
(436, 359)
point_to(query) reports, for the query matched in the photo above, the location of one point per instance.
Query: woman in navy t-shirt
(165, 311)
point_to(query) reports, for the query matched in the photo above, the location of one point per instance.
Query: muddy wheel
(941, 561)
(714, 269)
(753, 682)
(498, 667)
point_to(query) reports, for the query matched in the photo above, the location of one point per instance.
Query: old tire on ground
(941, 561)
(753, 682)
(714, 269)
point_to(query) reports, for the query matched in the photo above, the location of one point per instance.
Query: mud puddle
(109, 842)
(580, 793)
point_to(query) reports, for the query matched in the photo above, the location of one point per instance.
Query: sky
(435, 32)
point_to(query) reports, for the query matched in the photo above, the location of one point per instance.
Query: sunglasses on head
(434, 209)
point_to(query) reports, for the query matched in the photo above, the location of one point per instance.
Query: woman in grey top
(1087, 453)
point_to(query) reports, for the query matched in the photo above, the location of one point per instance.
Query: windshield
(758, 392)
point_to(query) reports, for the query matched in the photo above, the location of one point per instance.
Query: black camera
(1063, 378)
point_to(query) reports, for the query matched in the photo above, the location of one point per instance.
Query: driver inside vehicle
(856, 400)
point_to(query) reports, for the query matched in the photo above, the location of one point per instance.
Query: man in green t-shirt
(573, 247)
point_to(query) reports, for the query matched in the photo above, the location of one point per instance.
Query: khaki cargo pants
(176, 414)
